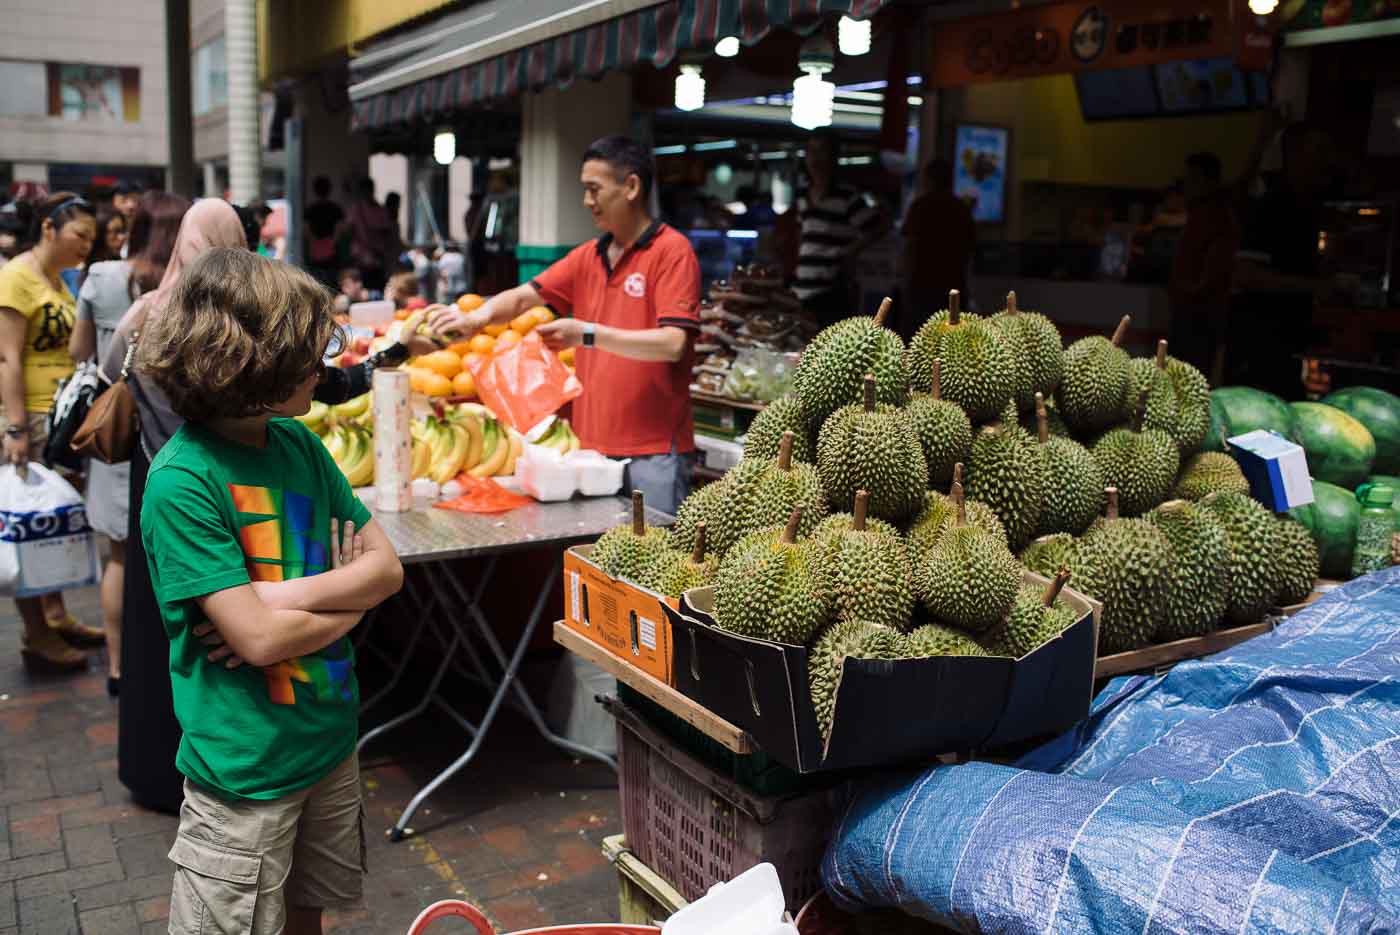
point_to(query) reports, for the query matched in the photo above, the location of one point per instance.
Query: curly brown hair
(241, 332)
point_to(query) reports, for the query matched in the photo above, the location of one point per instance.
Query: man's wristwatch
(590, 334)
(17, 430)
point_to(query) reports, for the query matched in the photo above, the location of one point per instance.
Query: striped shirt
(829, 226)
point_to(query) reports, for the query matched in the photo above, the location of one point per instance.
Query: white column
(390, 173)
(459, 189)
(211, 180)
(244, 143)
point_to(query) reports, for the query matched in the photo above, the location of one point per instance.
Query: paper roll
(393, 444)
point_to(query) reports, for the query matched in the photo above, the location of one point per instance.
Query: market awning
(498, 48)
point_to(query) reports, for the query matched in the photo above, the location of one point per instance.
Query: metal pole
(296, 188)
(179, 125)
(244, 144)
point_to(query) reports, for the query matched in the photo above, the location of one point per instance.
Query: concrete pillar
(459, 190)
(390, 173)
(557, 127)
(179, 173)
(331, 149)
(244, 139)
(211, 179)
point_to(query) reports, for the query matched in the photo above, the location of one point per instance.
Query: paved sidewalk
(518, 832)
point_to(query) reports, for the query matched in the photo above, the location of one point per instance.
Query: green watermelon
(1332, 519)
(1379, 411)
(1219, 426)
(1340, 450)
(1247, 409)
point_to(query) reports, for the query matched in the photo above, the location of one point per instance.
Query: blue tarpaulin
(1257, 790)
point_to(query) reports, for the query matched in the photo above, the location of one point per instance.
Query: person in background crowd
(837, 226)
(939, 235)
(634, 295)
(37, 312)
(111, 237)
(108, 291)
(1203, 268)
(400, 288)
(126, 198)
(352, 287)
(323, 220)
(393, 204)
(453, 277)
(374, 238)
(420, 258)
(14, 221)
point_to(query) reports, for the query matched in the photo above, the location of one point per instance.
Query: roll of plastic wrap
(393, 445)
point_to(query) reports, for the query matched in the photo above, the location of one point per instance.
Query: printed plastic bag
(483, 495)
(45, 541)
(525, 383)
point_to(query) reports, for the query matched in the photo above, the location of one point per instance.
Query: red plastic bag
(525, 383)
(483, 495)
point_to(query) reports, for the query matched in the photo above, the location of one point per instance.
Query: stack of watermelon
(1351, 437)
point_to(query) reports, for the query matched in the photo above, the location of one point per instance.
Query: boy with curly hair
(260, 554)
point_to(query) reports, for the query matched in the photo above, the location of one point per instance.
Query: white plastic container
(598, 476)
(545, 475)
(368, 314)
(750, 904)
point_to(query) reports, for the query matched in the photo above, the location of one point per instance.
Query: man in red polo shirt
(633, 296)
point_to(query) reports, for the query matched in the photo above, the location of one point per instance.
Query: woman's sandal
(49, 653)
(76, 633)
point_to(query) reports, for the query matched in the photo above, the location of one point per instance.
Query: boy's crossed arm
(265, 622)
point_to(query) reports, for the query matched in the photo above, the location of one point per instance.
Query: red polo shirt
(631, 407)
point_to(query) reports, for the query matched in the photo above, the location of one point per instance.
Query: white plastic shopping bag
(45, 541)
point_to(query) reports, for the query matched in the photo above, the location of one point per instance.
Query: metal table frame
(443, 606)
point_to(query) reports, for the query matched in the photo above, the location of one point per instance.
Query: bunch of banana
(500, 447)
(315, 420)
(560, 437)
(351, 446)
(354, 410)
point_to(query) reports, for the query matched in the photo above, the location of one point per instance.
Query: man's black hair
(1207, 164)
(627, 157)
(125, 187)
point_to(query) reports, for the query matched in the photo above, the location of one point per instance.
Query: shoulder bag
(109, 431)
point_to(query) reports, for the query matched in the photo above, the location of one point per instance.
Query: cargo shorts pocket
(215, 890)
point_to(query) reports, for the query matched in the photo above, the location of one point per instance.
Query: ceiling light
(853, 35)
(690, 88)
(728, 47)
(444, 147)
(1262, 7)
(714, 145)
(812, 99)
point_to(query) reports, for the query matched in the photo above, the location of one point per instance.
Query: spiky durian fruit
(933, 639)
(1140, 462)
(872, 447)
(1048, 554)
(768, 586)
(864, 570)
(944, 431)
(631, 550)
(937, 514)
(1178, 398)
(846, 639)
(1039, 353)
(767, 497)
(1298, 560)
(1125, 563)
(1199, 584)
(979, 369)
(968, 578)
(677, 572)
(1090, 394)
(1208, 472)
(1038, 616)
(1074, 489)
(833, 367)
(783, 414)
(1255, 571)
(1006, 470)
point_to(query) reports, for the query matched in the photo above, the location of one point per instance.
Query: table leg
(422, 611)
(448, 653)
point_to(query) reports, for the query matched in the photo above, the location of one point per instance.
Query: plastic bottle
(1374, 529)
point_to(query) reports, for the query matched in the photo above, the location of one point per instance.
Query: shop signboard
(1061, 38)
(1327, 14)
(979, 170)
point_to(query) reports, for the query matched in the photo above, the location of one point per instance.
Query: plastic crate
(695, 827)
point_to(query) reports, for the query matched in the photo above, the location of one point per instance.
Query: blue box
(1276, 468)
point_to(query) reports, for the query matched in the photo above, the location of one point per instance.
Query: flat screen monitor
(1201, 86)
(979, 170)
(1117, 94)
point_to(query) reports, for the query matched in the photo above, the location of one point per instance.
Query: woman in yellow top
(36, 318)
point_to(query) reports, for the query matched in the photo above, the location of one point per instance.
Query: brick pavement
(518, 832)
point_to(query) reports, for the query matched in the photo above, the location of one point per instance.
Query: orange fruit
(496, 330)
(483, 344)
(461, 348)
(445, 363)
(469, 301)
(401, 314)
(524, 323)
(464, 385)
(473, 359)
(415, 378)
(435, 384)
(542, 314)
(509, 339)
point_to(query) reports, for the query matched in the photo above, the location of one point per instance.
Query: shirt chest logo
(635, 285)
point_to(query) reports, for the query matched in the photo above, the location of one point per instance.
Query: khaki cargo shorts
(239, 865)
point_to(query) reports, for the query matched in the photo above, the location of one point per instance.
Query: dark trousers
(1196, 335)
(832, 305)
(147, 733)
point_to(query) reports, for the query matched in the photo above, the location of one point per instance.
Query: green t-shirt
(217, 514)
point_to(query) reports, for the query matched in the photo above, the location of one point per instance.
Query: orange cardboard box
(628, 621)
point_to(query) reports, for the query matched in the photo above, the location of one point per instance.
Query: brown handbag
(110, 430)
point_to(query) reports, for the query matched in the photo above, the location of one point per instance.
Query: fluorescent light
(668, 150)
(690, 88)
(858, 108)
(777, 155)
(742, 235)
(1262, 7)
(812, 97)
(844, 93)
(728, 47)
(444, 147)
(853, 36)
(856, 160)
(714, 145)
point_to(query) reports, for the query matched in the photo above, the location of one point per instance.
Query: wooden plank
(636, 877)
(712, 399)
(1152, 657)
(702, 719)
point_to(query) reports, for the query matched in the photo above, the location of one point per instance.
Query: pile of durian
(888, 507)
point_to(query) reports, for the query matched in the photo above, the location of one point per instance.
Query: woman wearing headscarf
(147, 733)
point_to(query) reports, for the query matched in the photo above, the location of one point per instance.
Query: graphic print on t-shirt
(275, 530)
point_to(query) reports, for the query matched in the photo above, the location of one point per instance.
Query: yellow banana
(573, 443)
(472, 423)
(439, 442)
(517, 446)
(497, 450)
(421, 462)
(335, 442)
(353, 408)
(315, 419)
(451, 464)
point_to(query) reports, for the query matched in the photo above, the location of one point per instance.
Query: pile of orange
(448, 372)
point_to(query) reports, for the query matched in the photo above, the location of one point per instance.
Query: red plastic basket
(456, 909)
(696, 828)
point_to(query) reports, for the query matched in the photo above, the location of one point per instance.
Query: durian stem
(794, 521)
(960, 518)
(957, 474)
(1120, 331)
(861, 507)
(697, 554)
(869, 387)
(1140, 412)
(1011, 303)
(1110, 510)
(785, 452)
(882, 311)
(1042, 418)
(1162, 354)
(1052, 592)
(639, 514)
(954, 307)
(936, 384)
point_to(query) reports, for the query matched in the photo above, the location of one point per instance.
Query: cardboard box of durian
(627, 620)
(886, 711)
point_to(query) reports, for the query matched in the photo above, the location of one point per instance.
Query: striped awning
(653, 35)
